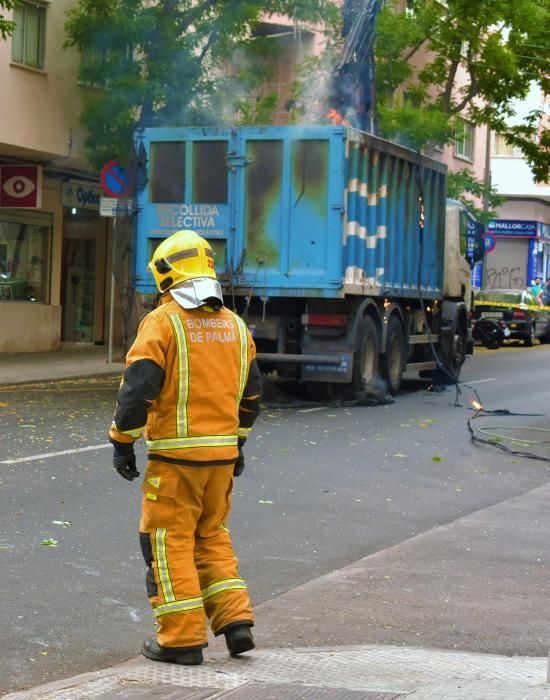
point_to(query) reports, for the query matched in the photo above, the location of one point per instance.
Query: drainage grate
(287, 691)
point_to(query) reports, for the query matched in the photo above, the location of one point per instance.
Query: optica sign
(80, 195)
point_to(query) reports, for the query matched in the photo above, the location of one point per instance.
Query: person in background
(536, 287)
(543, 297)
(193, 387)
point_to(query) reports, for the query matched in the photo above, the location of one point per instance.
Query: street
(323, 488)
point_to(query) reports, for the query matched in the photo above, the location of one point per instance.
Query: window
(29, 34)
(98, 64)
(210, 172)
(167, 172)
(410, 9)
(464, 139)
(503, 149)
(24, 255)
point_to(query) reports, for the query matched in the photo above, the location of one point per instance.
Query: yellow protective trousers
(193, 574)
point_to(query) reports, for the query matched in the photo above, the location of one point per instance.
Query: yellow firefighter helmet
(182, 256)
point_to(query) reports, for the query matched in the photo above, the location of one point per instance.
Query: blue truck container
(334, 246)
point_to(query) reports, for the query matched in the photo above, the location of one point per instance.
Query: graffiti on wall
(504, 278)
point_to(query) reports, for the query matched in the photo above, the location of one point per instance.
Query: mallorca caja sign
(513, 228)
(20, 186)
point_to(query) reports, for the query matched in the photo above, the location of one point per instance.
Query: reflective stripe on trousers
(194, 565)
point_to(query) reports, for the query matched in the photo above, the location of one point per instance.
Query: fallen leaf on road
(64, 523)
(270, 502)
(437, 458)
(50, 542)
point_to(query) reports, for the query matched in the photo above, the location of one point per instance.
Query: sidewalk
(71, 361)
(315, 641)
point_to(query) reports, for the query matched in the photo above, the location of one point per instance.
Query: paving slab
(334, 673)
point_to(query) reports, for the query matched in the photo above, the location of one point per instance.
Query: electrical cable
(518, 441)
(439, 363)
(480, 412)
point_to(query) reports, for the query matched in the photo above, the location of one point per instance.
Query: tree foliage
(472, 58)
(464, 187)
(165, 62)
(6, 25)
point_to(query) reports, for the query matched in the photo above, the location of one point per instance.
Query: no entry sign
(114, 180)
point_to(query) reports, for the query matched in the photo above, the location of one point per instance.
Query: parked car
(516, 311)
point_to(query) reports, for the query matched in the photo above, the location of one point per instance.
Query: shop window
(464, 139)
(28, 37)
(24, 255)
(167, 172)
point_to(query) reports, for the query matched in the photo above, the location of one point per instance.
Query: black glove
(239, 463)
(124, 460)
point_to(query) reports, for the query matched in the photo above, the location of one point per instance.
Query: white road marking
(478, 381)
(46, 455)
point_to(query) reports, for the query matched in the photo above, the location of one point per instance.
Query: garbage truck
(338, 249)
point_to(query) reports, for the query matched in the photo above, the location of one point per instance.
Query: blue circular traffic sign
(114, 180)
(489, 242)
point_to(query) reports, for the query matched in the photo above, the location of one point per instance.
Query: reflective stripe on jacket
(203, 358)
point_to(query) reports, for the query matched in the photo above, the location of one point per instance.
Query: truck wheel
(394, 357)
(453, 356)
(366, 363)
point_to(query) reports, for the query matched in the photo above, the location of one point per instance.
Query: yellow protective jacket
(191, 385)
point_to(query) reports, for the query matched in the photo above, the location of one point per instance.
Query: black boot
(239, 639)
(174, 655)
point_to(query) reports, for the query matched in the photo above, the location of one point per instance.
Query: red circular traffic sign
(114, 180)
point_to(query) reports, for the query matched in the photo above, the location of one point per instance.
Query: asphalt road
(322, 489)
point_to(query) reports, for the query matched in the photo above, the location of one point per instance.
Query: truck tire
(366, 362)
(452, 353)
(394, 357)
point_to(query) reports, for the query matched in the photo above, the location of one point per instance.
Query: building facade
(54, 246)
(520, 237)
(55, 267)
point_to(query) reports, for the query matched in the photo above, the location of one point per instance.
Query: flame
(336, 119)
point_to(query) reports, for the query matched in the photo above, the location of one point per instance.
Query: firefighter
(192, 387)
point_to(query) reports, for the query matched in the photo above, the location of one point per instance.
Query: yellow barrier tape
(504, 305)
